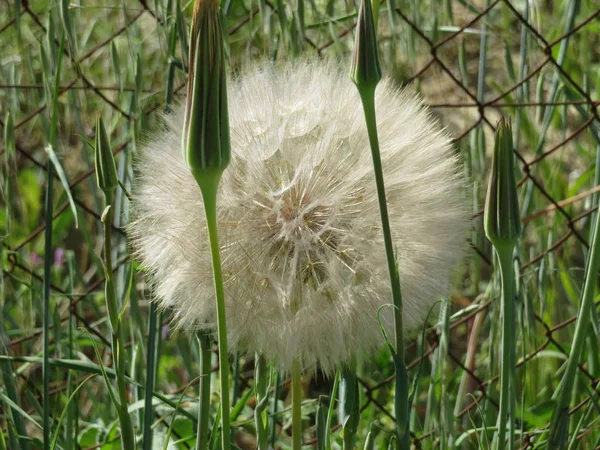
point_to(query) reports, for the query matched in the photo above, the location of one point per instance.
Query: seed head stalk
(261, 373)
(296, 406)
(204, 391)
(366, 74)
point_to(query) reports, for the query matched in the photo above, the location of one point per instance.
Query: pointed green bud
(502, 216)
(365, 70)
(106, 170)
(206, 142)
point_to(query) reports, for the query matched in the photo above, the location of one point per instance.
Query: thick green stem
(507, 375)
(261, 373)
(209, 183)
(296, 406)
(401, 391)
(204, 391)
(118, 338)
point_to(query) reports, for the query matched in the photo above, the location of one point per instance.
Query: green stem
(209, 183)
(296, 406)
(273, 430)
(558, 426)
(46, 305)
(48, 251)
(401, 391)
(261, 390)
(150, 376)
(507, 375)
(235, 383)
(204, 391)
(118, 338)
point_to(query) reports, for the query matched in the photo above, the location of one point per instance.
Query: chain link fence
(472, 61)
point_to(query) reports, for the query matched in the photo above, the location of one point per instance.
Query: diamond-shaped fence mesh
(473, 61)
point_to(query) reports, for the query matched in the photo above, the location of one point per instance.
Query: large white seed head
(301, 243)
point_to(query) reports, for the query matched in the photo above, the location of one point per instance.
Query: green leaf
(103, 371)
(63, 179)
(19, 410)
(65, 409)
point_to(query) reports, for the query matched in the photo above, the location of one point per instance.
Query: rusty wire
(483, 119)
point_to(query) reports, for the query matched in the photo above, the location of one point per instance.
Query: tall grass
(63, 64)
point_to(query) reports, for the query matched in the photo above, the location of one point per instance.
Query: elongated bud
(365, 70)
(502, 216)
(106, 170)
(206, 142)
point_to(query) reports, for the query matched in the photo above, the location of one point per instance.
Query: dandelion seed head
(301, 243)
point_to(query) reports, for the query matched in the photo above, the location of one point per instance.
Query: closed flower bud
(206, 143)
(365, 70)
(106, 170)
(502, 217)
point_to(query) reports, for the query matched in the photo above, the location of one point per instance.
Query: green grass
(123, 60)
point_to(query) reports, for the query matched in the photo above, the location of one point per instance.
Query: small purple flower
(35, 259)
(59, 257)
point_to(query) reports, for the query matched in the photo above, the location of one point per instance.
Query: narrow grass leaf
(558, 428)
(114, 56)
(332, 403)
(63, 179)
(103, 371)
(65, 410)
(174, 414)
(321, 422)
(19, 410)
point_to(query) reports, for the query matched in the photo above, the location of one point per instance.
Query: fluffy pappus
(301, 243)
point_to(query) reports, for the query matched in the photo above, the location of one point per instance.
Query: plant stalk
(401, 389)
(261, 391)
(46, 305)
(296, 406)
(559, 424)
(204, 392)
(150, 376)
(118, 337)
(209, 183)
(48, 252)
(508, 373)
